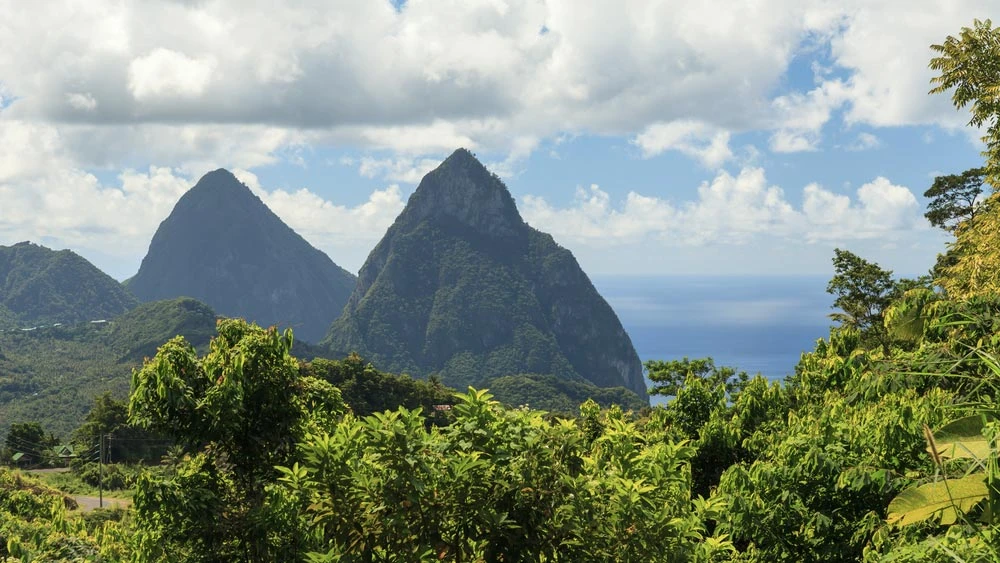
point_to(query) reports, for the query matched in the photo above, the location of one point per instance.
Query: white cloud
(438, 75)
(696, 139)
(801, 117)
(407, 170)
(70, 208)
(165, 73)
(865, 141)
(731, 210)
(884, 46)
(480, 71)
(881, 208)
(190, 86)
(332, 227)
(84, 102)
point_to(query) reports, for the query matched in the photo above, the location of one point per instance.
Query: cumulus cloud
(696, 139)
(359, 67)
(432, 76)
(166, 73)
(80, 101)
(801, 117)
(881, 208)
(336, 228)
(731, 210)
(47, 199)
(407, 170)
(134, 89)
(865, 141)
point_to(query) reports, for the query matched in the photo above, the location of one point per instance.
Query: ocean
(758, 324)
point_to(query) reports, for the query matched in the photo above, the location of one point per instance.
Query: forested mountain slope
(43, 286)
(462, 287)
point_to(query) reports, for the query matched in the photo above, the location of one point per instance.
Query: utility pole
(100, 479)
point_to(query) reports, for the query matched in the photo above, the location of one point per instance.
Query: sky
(650, 137)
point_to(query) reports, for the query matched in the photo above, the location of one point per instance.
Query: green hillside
(40, 286)
(51, 375)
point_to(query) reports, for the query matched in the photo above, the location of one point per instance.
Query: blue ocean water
(759, 324)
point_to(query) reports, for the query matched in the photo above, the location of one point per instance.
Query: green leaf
(963, 438)
(943, 498)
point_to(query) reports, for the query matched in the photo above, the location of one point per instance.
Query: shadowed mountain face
(43, 286)
(223, 246)
(462, 287)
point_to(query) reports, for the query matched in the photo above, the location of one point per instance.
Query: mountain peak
(460, 286)
(463, 157)
(462, 190)
(223, 246)
(220, 182)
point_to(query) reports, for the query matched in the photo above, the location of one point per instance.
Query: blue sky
(651, 139)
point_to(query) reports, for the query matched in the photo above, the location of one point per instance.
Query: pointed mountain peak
(218, 175)
(223, 246)
(221, 180)
(462, 189)
(463, 157)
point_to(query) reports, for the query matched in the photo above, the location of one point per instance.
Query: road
(88, 503)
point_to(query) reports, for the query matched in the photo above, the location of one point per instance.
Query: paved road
(88, 503)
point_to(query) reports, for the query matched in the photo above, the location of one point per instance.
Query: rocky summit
(462, 288)
(223, 246)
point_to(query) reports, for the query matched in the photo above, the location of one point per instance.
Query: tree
(239, 411)
(863, 291)
(670, 376)
(30, 439)
(955, 199)
(124, 442)
(971, 266)
(970, 65)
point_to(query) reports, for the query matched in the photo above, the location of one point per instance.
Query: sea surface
(758, 324)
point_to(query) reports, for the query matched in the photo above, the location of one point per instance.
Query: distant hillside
(43, 286)
(223, 246)
(560, 396)
(461, 287)
(138, 333)
(51, 375)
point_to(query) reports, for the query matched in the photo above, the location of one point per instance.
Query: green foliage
(30, 439)
(36, 525)
(39, 286)
(863, 291)
(944, 500)
(954, 199)
(239, 411)
(472, 295)
(367, 391)
(969, 67)
(137, 334)
(557, 395)
(972, 270)
(833, 468)
(53, 375)
(670, 376)
(500, 485)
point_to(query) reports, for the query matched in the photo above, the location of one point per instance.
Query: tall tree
(955, 198)
(970, 67)
(863, 291)
(30, 439)
(239, 412)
